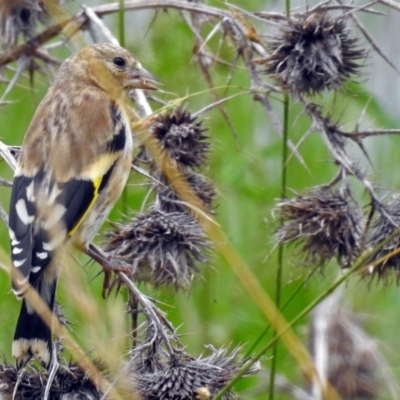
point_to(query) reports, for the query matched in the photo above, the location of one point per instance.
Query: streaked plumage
(73, 166)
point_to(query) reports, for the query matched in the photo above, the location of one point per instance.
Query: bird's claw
(109, 267)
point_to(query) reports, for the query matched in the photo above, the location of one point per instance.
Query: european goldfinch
(74, 163)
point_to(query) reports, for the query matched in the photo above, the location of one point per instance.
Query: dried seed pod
(19, 17)
(325, 223)
(182, 137)
(312, 53)
(163, 248)
(389, 254)
(169, 201)
(181, 376)
(70, 382)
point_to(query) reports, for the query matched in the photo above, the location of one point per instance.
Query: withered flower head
(70, 382)
(182, 137)
(383, 227)
(324, 223)
(345, 353)
(313, 52)
(181, 377)
(163, 248)
(19, 17)
(170, 202)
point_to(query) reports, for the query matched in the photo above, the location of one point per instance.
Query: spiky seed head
(325, 224)
(182, 137)
(385, 225)
(169, 200)
(163, 248)
(19, 18)
(184, 377)
(313, 52)
(69, 382)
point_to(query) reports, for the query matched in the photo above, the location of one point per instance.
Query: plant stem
(121, 23)
(284, 305)
(280, 250)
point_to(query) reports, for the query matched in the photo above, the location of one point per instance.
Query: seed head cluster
(70, 382)
(155, 375)
(313, 52)
(180, 376)
(165, 244)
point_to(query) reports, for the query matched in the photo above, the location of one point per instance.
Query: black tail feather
(32, 335)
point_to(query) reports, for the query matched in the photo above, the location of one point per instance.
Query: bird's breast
(110, 192)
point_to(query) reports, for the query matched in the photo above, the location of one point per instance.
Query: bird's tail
(32, 335)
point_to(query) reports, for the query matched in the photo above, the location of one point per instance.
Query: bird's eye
(119, 62)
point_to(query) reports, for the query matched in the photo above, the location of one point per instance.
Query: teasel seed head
(313, 52)
(324, 223)
(182, 137)
(162, 248)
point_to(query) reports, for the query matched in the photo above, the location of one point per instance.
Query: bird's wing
(51, 203)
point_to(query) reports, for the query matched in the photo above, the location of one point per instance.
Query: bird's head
(106, 60)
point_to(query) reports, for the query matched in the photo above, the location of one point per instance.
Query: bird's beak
(143, 79)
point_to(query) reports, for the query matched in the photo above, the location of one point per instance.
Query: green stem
(284, 305)
(121, 23)
(280, 250)
(287, 7)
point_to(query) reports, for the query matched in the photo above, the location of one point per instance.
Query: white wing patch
(43, 255)
(30, 194)
(12, 234)
(23, 212)
(18, 263)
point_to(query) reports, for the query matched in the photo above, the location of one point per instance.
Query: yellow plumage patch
(96, 184)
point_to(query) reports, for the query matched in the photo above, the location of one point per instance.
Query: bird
(74, 162)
